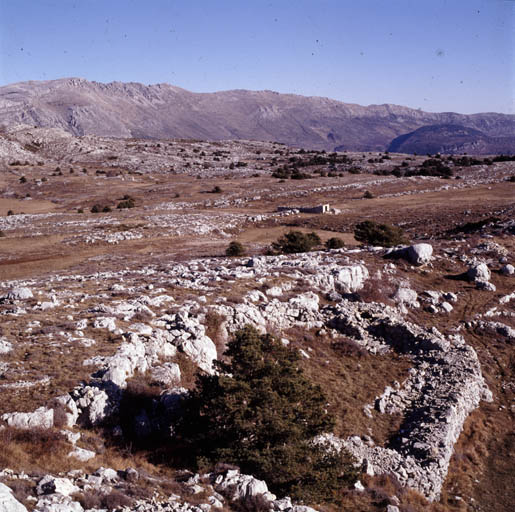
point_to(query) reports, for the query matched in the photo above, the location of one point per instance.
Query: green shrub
(373, 233)
(262, 413)
(96, 208)
(334, 243)
(368, 195)
(128, 203)
(296, 241)
(235, 249)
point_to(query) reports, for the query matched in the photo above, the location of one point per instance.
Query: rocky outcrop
(19, 293)
(42, 417)
(444, 386)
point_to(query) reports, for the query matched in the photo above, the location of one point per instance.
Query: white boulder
(52, 485)
(5, 346)
(106, 322)
(40, 418)
(20, 293)
(479, 272)
(8, 503)
(169, 374)
(419, 254)
(350, 278)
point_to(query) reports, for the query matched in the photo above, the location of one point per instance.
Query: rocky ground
(107, 315)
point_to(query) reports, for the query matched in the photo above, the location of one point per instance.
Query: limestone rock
(407, 297)
(65, 411)
(485, 285)
(5, 346)
(419, 254)
(350, 278)
(57, 503)
(52, 485)
(236, 486)
(108, 323)
(479, 272)
(8, 503)
(82, 454)
(40, 418)
(169, 374)
(20, 293)
(94, 404)
(508, 270)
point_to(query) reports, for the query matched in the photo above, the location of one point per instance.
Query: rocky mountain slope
(451, 139)
(164, 111)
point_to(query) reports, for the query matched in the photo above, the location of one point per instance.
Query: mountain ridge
(132, 109)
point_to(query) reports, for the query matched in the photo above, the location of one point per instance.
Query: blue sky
(437, 55)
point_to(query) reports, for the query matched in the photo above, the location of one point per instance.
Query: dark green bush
(296, 241)
(128, 203)
(368, 195)
(261, 413)
(373, 233)
(334, 243)
(235, 249)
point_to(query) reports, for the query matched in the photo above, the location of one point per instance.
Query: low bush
(296, 241)
(373, 233)
(334, 243)
(235, 248)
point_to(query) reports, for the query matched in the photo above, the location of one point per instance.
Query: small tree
(235, 249)
(262, 413)
(296, 241)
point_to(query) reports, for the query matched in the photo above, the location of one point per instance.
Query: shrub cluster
(97, 208)
(334, 243)
(296, 241)
(235, 248)
(372, 233)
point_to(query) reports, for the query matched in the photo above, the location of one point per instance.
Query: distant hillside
(451, 139)
(164, 111)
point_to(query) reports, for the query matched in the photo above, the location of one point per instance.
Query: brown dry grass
(343, 371)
